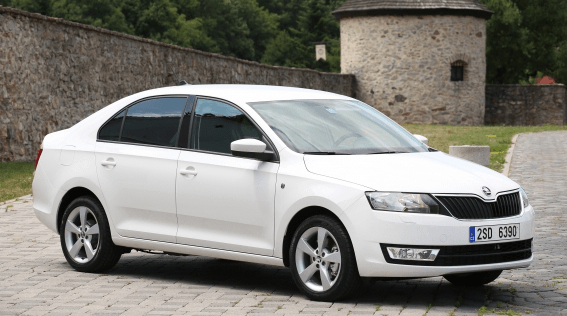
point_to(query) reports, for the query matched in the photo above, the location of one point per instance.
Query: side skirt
(195, 250)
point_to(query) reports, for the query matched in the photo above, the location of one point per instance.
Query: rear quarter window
(111, 131)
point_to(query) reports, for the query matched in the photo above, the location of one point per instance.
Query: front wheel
(473, 279)
(85, 237)
(322, 260)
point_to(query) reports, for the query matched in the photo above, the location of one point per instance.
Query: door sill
(195, 250)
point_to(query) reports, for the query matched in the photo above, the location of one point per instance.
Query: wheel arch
(69, 197)
(297, 219)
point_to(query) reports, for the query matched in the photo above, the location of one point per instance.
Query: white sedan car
(318, 182)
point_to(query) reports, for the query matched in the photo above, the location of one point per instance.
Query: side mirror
(251, 148)
(422, 139)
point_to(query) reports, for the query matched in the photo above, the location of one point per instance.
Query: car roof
(237, 93)
(248, 93)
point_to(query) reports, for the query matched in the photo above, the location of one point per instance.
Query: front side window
(153, 122)
(217, 124)
(335, 127)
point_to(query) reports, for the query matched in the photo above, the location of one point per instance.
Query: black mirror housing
(264, 156)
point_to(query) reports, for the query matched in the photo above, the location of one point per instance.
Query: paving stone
(36, 280)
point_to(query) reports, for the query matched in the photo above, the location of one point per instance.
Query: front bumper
(370, 230)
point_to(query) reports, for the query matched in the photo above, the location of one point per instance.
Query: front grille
(461, 207)
(469, 254)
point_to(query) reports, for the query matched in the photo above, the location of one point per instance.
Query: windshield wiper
(323, 153)
(388, 152)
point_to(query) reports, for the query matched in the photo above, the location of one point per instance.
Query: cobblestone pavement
(36, 280)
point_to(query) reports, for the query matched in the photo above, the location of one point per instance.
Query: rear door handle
(108, 163)
(189, 171)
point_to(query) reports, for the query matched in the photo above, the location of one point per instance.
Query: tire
(86, 248)
(309, 265)
(473, 279)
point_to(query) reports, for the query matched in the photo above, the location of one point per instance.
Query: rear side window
(111, 131)
(217, 124)
(153, 122)
(150, 122)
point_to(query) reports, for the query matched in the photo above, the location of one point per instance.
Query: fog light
(413, 254)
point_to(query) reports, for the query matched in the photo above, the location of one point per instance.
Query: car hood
(428, 172)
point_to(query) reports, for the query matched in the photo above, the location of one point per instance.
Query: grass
(483, 310)
(552, 284)
(510, 290)
(15, 179)
(459, 301)
(499, 138)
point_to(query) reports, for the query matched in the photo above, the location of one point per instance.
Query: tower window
(458, 71)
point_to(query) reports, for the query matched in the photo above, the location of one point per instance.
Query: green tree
(262, 24)
(313, 22)
(278, 32)
(241, 28)
(560, 73)
(288, 11)
(36, 6)
(546, 24)
(100, 13)
(523, 37)
(507, 43)
(288, 51)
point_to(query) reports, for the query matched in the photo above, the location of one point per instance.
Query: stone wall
(516, 104)
(55, 73)
(402, 66)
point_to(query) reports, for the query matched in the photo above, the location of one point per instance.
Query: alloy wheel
(318, 259)
(82, 234)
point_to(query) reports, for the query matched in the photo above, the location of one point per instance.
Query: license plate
(494, 232)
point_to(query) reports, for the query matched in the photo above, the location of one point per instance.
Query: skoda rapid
(318, 182)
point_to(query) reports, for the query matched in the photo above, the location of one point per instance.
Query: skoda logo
(486, 191)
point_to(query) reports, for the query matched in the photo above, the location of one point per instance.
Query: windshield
(335, 127)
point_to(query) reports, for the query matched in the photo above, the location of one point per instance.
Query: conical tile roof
(412, 7)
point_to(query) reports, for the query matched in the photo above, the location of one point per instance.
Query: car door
(136, 159)
(224, 202)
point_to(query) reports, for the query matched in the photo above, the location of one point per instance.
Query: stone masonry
(402, 66)
(516, 104)
(55, 73)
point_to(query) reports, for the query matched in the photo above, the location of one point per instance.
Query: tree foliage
(276, 32)
(525, 37)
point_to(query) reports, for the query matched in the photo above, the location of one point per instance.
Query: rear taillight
(39, 151)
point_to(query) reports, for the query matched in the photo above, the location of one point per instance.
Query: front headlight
(402, 202)
(525, 200)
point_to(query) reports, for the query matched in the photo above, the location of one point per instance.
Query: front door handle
(108, 163)
(189, 171)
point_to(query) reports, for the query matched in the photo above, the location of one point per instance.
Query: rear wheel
(473, 279)
(85, 237)
(322, 260)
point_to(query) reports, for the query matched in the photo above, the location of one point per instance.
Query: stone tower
(417, 61)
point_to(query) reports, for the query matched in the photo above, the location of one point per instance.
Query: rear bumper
(371, 230)
(44, 199)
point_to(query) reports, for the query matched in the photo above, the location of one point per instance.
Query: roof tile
(377, 7)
